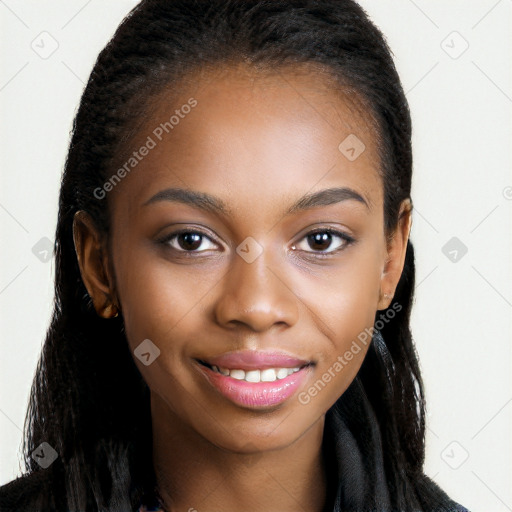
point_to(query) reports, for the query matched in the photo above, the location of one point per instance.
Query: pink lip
(255, 394)
(255, 360)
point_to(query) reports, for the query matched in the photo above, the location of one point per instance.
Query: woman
(234, 273)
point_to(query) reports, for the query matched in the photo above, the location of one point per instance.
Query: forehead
(254, 138)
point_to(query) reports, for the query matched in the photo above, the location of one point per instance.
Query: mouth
(257, 374)
(255, 388)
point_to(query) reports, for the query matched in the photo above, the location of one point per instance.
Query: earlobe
(93, 263)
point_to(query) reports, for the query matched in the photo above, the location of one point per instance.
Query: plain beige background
(454, 59)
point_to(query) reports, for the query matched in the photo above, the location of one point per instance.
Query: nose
(257, 295)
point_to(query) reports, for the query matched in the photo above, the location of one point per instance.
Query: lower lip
(256, 394)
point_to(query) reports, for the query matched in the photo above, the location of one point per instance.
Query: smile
(255, 387)
(263, 375)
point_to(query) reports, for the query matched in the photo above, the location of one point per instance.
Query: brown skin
(258, 143)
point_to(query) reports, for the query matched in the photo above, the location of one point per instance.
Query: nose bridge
(254, 292)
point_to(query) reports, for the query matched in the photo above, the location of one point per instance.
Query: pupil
(191, 241)
(321, 238)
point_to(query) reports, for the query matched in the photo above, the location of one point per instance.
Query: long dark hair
(88, 400)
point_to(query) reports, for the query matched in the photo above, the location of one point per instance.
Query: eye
(322, 239)
(186, 241)
(190, 241)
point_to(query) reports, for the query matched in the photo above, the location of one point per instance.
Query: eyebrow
(213, 204)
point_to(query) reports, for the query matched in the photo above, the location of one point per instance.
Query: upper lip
(254, 360)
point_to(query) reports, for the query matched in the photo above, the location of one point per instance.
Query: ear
(93, 261)
(396, 250)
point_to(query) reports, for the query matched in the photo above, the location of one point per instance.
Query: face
(248, 237)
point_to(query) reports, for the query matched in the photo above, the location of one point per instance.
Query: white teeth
(237, 374)
(252, 376)
(282, 373)
(266, 375)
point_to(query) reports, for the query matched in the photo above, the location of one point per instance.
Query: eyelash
(317, 254)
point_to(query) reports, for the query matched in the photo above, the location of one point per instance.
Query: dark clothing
(24, 493)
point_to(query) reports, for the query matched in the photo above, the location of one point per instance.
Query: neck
(193, 474)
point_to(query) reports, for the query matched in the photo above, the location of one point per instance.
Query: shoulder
(24, 493)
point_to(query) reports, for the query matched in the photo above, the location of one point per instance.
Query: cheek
(344, 307)
(164, 303)
(158, 303)
(350, 329)
(148, 302)
(345, 295)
